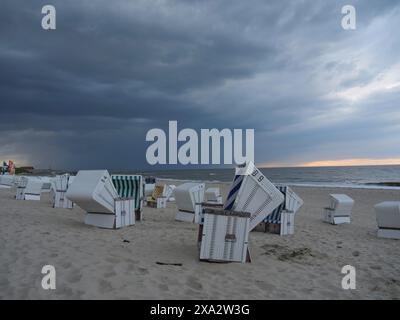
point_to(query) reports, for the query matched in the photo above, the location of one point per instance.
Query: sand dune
(94, 263)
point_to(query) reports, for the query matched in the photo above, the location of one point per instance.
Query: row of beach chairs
(253, 203)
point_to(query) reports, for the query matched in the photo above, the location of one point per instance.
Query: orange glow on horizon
(352, 162)
(336, 163)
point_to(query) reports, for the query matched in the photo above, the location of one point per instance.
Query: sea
(352, 176)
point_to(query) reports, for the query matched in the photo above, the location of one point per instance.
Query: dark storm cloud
(113, 70)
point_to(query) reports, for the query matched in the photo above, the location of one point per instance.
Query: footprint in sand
(375, 267)
(105, 286)
(74, 276)
(110, 274)
(143, 271)
(112, 260)
(66, 265)
(193, 283)
(163, 287)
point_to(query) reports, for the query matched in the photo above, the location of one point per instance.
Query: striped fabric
(129, 186)
(236, 184)
(275, 216)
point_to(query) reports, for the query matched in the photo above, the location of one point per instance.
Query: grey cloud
(113, 70)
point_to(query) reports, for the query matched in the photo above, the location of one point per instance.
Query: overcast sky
(85, 94)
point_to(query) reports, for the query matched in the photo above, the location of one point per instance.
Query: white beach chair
(33, 189)
(61, 184)
(229, 240)
(6, 181)
(213, 195)
(388, 219)
(339, 210)
(252, 192)
(95, 193)
(188, 198)
(130, 186)
(281, 220)
(21, 185)
(251, 198)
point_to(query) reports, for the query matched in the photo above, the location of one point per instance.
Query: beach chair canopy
(341, 203)
(213, 194)
(188, 194)
(93, 191)
(292, 203)
(252, 192)
(129, 186)
(388, 215)
(33, 187)
(61, 182)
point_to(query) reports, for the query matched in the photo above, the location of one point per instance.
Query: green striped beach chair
(130, 186)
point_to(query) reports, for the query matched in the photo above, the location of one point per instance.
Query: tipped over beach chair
(94, 192)
(213, 195)
(388, 219)
(224, 233)
(60, 186)
(281, 220)
(130, 186)
(188, 198)
(339, 210)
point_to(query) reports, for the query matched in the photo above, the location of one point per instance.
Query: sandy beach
(93, 263)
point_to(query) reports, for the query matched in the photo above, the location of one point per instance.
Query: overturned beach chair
(251, 198)
(60, 186)
(213, 195)
(189, 197)
(388, 219)
(130, 186)
(339, 210)
(281, 220)
(6, 181)
(94, 192)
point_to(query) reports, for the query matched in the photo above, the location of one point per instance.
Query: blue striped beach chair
(281, 220)
(130, 186)
(250, 199)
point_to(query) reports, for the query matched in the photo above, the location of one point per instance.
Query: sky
(84, 96)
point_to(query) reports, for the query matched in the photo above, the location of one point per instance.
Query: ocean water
(327, 176)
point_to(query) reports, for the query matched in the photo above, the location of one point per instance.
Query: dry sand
(94, 263)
